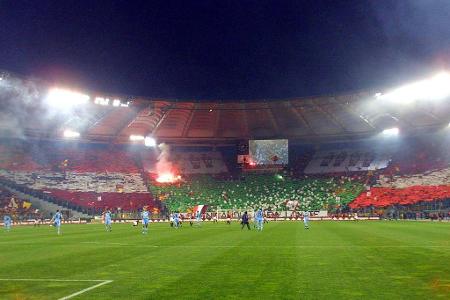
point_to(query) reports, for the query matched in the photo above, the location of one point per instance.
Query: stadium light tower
(434, 88)
(65, 99)
(136, 138)
(149, 142)
(391, 131)
(69, 133)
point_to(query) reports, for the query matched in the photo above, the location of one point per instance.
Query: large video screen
(269, 152)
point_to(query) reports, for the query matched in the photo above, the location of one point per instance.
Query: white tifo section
(83, 182)
(348, 159)
(99, 283)
(431, 178)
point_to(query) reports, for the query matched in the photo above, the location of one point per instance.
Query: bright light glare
(435, 88)
(149, 141)
(65, 99)
(116, 102)
(101, 101)
(136, 137)
(167, 178)
(68, 133)
(391, 131)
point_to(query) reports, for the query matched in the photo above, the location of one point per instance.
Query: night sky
(225, 49)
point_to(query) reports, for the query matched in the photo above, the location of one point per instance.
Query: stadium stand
(87, 178)
(17, 208)
(268, 191)
(348, 177)
(420, 172)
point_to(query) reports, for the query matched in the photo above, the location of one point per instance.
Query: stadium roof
(359, 115)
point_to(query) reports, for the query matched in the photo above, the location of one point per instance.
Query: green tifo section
(267, 191)
(331, 260)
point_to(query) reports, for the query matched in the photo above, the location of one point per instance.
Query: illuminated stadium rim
(319, 103)
(170, 102)
(310, 101)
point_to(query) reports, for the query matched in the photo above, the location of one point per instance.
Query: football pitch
(332, 260)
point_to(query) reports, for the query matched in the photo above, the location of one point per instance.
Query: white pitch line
(86, 290)
(101, 282)
(50, 279)
(267, 246)
(107, 243)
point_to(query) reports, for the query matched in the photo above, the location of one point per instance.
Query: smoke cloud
(415, 27)
(18, 99)
(163, 164)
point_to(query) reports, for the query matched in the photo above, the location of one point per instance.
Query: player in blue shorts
(306, 219)
(107, 218)
(145, 220)
(259, 218)
(57, 218)
(7, 222)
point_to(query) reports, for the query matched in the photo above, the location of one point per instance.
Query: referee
(245, 221)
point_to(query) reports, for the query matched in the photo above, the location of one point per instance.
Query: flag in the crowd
(201, 208)
(26, 204)
(13, 203)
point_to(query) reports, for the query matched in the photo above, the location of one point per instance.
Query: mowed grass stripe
(339, 260)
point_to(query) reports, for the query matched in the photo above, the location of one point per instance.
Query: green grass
(332, 260)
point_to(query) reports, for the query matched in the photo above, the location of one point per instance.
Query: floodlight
(101, 101)
(65, 99)
(134, 137)
(391, 131)
(434, 88)
(149, 141)
(116, 102)
(68, 133)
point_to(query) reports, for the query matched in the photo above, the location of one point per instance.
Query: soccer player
(306, 219)
(259, 218)
(191, 219)
(145, 220)
(57, 218)
(244, 221)
(171, 220)
(7, 222)
(228, 218)
(198, 218)
(107, 217)
(176, 220)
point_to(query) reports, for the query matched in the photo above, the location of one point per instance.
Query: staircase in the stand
(46, 207)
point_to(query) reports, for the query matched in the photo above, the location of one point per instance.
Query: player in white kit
(306, 215)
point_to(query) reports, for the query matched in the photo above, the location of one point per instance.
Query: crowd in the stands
(85, 179)
(268, 191)
(12, 205)
(90, 178)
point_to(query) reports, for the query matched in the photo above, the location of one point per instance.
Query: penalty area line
(86, 290)
(99, 284)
